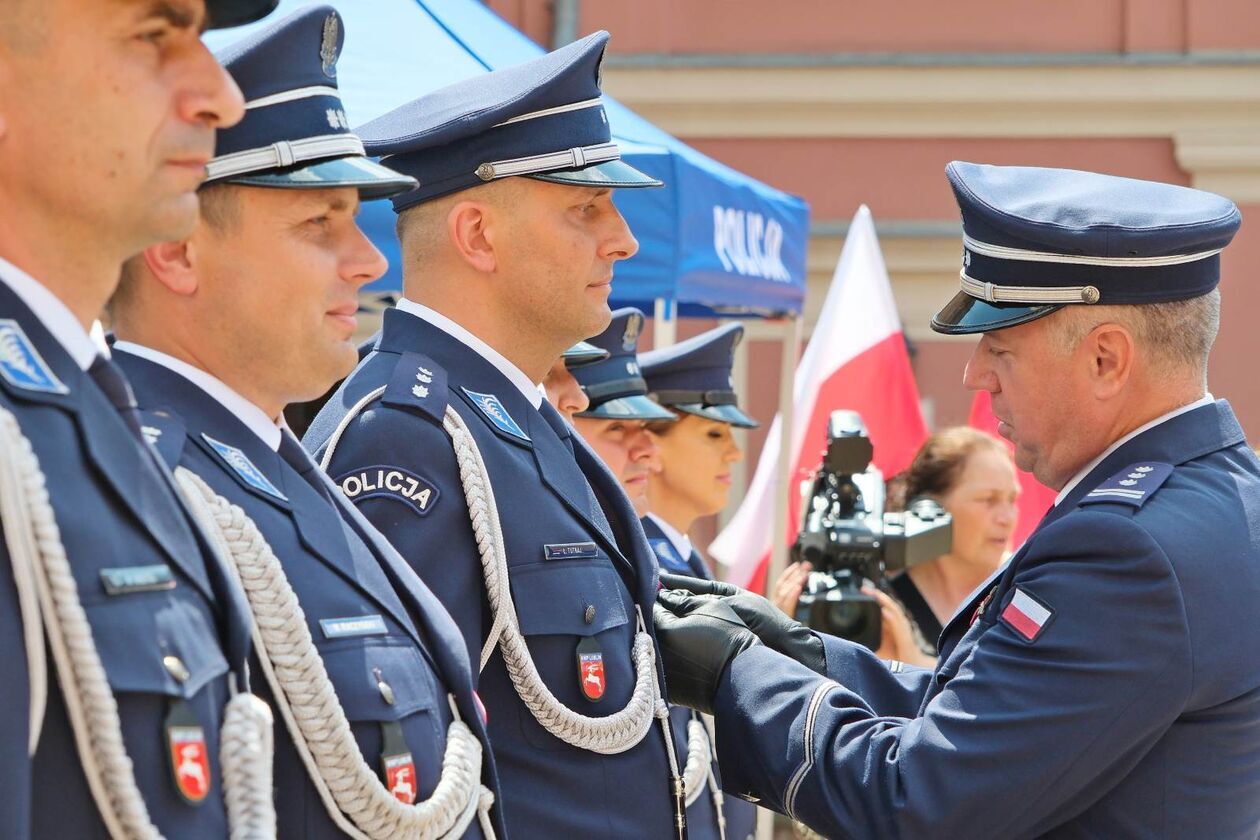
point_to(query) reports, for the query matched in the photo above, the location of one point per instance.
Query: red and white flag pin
(1026, 615)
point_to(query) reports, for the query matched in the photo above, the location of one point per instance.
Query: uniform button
(177, 668)
(589, 615)
(387, 693)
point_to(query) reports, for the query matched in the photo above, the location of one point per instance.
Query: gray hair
(1175, 336)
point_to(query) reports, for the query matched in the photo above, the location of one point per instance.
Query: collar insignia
(496, 413)
(242, 466)
(20, 363)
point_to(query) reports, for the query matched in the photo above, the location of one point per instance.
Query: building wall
(848, 102)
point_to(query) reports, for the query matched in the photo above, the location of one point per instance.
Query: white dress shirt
(1207, 399)
(267, 429)
(514, 374)
(53, 314)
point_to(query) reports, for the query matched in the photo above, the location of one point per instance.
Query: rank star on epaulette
(1133, 485)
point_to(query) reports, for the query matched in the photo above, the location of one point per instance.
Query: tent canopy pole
(783, 489)
(664, 324)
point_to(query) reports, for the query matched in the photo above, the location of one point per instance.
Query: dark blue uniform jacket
(1109, 686)
(345, 576)
(741, 817)
(565, 520)
(117, 510)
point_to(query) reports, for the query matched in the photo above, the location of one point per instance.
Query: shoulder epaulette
(418, 384)
(1133, 485)
(165, 432)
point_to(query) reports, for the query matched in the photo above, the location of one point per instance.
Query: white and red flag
(1035, 498)
(1026, 615)
(856, 359)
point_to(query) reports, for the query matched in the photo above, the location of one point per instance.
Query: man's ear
(1110, 350)
(468, 226)
(172, 264)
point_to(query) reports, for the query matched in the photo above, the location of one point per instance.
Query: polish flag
(1026, 615)
(1035, 498)
(856, 359)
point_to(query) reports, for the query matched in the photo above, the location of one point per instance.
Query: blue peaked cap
(1035, 240)
(615, 384)
(295, 133)
(694, 376)
(221, 14)
(544, 119)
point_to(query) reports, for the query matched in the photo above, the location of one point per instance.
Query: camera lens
(847, 618)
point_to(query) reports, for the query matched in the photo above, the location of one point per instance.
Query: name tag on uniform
(358, 625)
(570, 551)
(128, 579)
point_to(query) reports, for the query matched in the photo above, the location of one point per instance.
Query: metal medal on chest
(187, 751)
(590, 667)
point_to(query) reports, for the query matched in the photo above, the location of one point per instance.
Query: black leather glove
(776, 630)
(696, 648)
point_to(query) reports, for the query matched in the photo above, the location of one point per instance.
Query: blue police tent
(712, 242)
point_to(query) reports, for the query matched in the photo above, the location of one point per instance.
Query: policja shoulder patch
(1133, 485)
(389, 482)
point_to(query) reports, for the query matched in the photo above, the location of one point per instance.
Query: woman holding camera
(971, 474)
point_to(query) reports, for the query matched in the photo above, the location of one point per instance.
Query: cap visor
(634, 407)
(612, 173)
(367, 176)
(966, 314)
(222, 14)
(583, 353)
(722, 413)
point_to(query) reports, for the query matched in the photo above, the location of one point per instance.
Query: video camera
(848, 538)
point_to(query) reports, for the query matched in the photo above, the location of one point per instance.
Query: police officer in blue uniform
(114, 690)
(1102, 684)
(614, 423)
(217, 333)
(693, 379)
(509, 246)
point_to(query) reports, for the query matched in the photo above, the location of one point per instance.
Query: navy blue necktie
(114, 385)
(295, 456)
